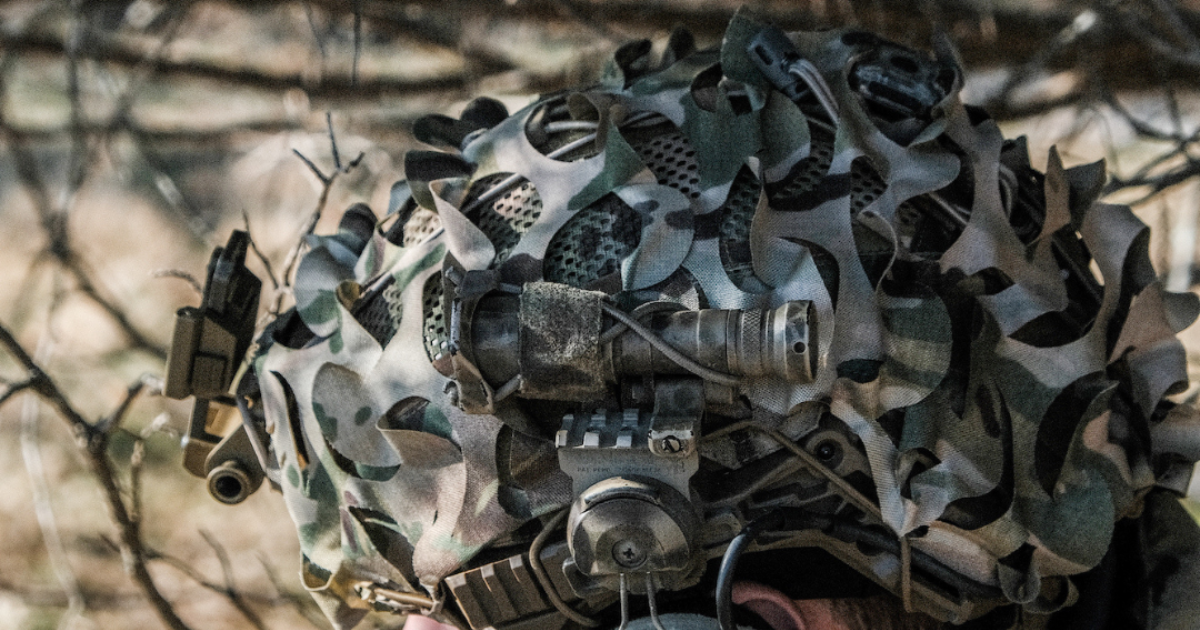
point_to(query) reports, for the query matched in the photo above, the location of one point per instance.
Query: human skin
(881, 612)
(783, 613)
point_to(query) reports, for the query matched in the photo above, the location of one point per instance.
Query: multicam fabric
(1004, 403)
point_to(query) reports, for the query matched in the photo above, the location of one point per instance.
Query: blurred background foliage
(134, 135)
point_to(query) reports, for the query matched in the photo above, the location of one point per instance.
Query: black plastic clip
(779, 61)
(207, 349)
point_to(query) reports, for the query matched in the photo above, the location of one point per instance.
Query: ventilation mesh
(437, 334)
(507, 217)
(672, 159)
(379, 313)
(420, 226)
(809, 172)
(736, 216)
(865, 185)
(592, 244)
(392, 296)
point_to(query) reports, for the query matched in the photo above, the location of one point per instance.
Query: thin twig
(87, 286)
(333, 86)
(113, 420)
(121, 119)
(312, 167)
(1175, 24)
(54, 220)
(266, 262)
(181, 275)
(12, 389)
(137, 458)
(78, 159)
(1158, 183)
(599, 27)
(31, 453)
(337, 158)
(357, 49)
(230, 591)
(1143, 128)
(293, 257)
(34, 596)
(1036, 65)
(192, 574)
(94, 443)
(41, 384)
(318, 37)
(1138, 30)
(301, 602)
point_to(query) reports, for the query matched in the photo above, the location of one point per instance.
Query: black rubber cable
(792, 520)
(729, 564)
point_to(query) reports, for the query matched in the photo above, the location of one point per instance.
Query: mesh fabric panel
(592, 244)
(506, 217)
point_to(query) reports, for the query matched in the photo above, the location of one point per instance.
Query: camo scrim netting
(1004, 396)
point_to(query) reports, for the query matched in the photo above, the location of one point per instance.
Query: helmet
(788, 299)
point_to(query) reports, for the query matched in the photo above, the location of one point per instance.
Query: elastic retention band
(539, 571)
(671, 353)
(507, 389)
(848, 491)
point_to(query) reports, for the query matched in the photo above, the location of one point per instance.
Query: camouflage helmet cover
(1004, 400)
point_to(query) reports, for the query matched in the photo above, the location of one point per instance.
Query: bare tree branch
(94, 443)
(301, 602)
(76, 267)
(331, 86)
(230, 589)
(327, 181)
(266, 262)
(357, 42)
(238, 599)
(112, 421)
(54, 220)
(31, 453)
(1175, 25)
(182, 275)
(12, 389)
(49, 598)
